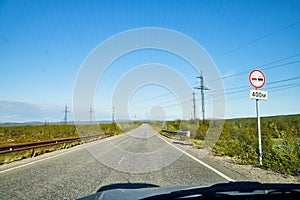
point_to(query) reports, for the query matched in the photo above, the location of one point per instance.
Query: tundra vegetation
(10, 135)
(238, 139)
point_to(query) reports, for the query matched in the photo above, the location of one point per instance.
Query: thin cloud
(18, 111)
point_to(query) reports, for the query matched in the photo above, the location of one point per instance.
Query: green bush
(280, 140)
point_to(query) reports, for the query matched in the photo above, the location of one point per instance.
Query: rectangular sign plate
(259, 94)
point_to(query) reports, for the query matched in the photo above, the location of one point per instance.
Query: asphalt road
(141, 155)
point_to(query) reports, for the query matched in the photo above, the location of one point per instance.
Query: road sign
(259, 94)
(257, 78)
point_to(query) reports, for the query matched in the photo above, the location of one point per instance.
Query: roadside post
(257, 80)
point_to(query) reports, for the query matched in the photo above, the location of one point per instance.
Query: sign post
(258, 132)
(257, 80)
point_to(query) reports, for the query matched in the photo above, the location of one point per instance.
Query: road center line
(199, 161)
(121, 160)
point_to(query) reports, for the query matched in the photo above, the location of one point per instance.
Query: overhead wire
(161, 95)
(267, 87)
(236, 74)
(263, 67)
(259, 38)
(240, 91)
(236, 90)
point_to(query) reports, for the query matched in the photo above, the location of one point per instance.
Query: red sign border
(255, 70)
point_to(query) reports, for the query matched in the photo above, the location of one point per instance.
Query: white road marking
(121, 159)
(37, 161)
(43, 159)
(199, 161)
(194, 158)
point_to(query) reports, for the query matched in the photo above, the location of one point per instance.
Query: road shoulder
(231, 168)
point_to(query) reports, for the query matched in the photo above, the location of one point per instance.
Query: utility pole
(113, 115)
(194, 105)
(66, 114)
(202, 88)
(91, 115)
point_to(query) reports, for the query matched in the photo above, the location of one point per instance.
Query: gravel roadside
(251, 172)
(255, 173)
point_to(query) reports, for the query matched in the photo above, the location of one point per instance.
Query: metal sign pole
(257, 80)
(258, 132)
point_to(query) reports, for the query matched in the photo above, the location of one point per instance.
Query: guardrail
(185, 133)
(33, 145)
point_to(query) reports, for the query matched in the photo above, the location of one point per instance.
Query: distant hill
(38, 123)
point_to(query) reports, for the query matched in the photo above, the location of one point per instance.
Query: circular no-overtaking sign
(257, 78)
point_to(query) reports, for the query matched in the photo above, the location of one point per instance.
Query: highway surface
(142, 155)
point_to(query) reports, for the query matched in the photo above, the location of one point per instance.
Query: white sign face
(259, 94)
(257, 78)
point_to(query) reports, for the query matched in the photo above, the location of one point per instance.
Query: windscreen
(104, 94)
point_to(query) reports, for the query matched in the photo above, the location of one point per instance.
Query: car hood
(132, 193)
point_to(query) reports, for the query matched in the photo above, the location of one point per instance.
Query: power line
(177, 104)
(279, 86)
(236, 74)
(273, 89)
(284, 80)
(162, 95)
(173, 100)
(281, 65)
(194, 105)
(259, 38)
(282, 59)
(287, 86)
(113, 115)
(66, 114)
(269, 88)
(292, 86)
(202, 88)
(264, 66)
(237, 89)
(91, 115)
(240, 90)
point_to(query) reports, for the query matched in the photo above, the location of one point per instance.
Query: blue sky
(44, 43)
